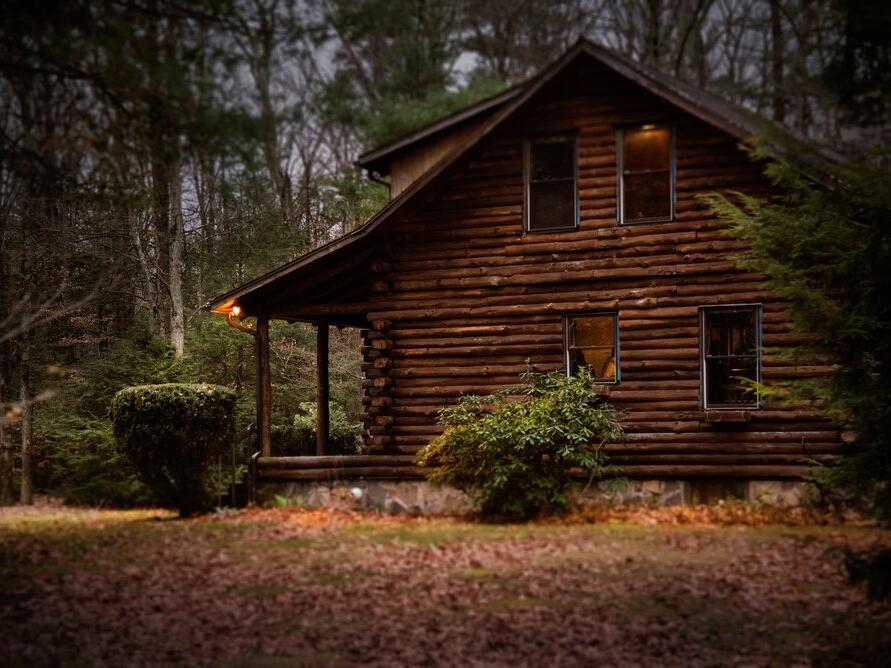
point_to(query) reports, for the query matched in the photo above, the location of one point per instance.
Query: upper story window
(646, 174)
(592, 340)
(551, 183)
(731, 356)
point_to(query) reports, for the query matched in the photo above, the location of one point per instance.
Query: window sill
(550, 230)
(604, 389)
(727, 415)
(646, 221)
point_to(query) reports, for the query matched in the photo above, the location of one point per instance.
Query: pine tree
(825, 245)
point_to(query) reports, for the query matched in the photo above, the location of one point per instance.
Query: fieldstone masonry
(651, 492)
(416, 497)
(410, 497)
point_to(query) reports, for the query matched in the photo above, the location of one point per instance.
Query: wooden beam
(264, 387)
(348, 461)
(301, 310)
(322, 390)
(652, 472)
(398, 472)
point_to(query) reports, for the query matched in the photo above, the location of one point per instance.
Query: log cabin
(555, 225)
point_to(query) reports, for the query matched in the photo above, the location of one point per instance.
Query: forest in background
(154, 153)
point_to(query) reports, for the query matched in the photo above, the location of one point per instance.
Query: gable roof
(701, 104)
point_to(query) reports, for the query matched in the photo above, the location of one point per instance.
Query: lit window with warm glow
(592, 341)
(646, 174)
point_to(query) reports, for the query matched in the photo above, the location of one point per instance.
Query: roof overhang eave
(375, 158)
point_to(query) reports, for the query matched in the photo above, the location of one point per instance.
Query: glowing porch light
(236, 310)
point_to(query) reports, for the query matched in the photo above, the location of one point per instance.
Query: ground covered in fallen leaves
(291, 587)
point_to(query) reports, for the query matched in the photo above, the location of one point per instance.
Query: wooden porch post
(264, 387)
(322, 420)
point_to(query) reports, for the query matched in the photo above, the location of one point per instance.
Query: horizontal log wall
(467, 301)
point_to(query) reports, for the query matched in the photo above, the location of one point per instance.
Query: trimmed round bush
(173, 433)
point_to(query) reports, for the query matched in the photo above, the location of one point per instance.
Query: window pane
(646, 149)
(594, 330)
(730, 341)
(553, 160)
(731, 333)
(551, 205)
(725, 384)
(647, 196)
(592, 343)
(602, 362)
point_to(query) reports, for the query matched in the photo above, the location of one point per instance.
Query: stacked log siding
(463, 300)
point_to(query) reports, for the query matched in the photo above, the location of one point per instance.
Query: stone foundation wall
(418, 497)
(783, 493)
(410, 497)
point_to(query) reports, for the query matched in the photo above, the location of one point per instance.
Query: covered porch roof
(328, 283)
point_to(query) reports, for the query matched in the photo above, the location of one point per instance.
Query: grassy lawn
(290, 587)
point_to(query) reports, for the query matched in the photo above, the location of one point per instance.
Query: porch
(325, 288)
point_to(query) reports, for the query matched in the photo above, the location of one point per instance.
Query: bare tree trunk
(177, 266)
(6, 491)
(802, 80)
(694, 26)
(145, 266)
(776, 61)
(5, 444)
(159, 129)
(204, 184)
(653, 45)
(161, 227)
(24, 349)
(6, 473)
(26, 496)
(260, 55)
(269, 127)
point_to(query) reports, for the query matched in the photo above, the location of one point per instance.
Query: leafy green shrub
(514, 458)
(344, 435)
(81, 462)
(76, 455)
(176, 435)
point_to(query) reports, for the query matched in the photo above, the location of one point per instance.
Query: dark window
(646, 173)
(593, 341)
(731, 356)
(551, 184)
